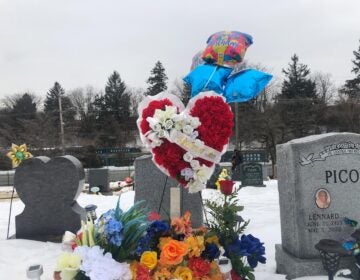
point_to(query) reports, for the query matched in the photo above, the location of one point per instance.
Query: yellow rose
(183, 273)
(149, 259)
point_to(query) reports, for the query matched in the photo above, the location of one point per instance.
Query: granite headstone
(153, 186)
(252, 174)
(99, 177)
(319, 185)
(49, 189)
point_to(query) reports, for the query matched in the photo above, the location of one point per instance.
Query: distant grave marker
(49, 189)
(252, 175)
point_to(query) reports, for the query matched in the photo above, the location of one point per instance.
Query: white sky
(80, 42)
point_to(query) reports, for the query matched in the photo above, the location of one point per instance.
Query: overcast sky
(80, 42)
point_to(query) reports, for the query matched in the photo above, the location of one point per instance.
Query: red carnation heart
(215, 130)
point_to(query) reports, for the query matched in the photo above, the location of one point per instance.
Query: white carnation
(188, 129)
(188, 157)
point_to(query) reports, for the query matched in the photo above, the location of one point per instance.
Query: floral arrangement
(223, 178)
(133, 245)
(186, 142)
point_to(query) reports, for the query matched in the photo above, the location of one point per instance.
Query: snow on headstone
(49, 189)
(319, 185)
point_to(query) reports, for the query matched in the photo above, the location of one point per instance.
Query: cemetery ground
(261, 207)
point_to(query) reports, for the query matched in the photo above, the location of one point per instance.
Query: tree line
(302, 104)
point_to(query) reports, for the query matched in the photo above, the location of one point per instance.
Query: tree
(113, 113)
(157, 80)
(51, 105)
(298, 99)
(115, 102)
(25, 106)
(352, 86)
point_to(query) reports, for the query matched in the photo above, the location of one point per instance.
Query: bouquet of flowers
(132, 245)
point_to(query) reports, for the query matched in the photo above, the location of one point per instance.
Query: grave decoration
(186, 142)
(352, 243)
(223, 55)
(18, 154)
(137, 245)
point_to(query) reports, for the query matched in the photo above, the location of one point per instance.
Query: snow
(261, 207)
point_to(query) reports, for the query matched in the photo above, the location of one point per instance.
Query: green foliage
(157, 80)
(134, 222)
(223, 216)
(352, 86)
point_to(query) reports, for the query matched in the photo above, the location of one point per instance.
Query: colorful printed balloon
(227, 48)
(197, 60)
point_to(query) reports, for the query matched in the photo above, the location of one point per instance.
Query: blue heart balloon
(207, 77)
(245, 85)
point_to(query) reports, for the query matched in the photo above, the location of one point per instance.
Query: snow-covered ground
(261, 207)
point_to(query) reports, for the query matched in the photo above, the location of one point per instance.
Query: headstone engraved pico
(49, 189)
(319, 186)
(252, 174)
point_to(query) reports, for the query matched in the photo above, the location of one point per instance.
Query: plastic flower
(18, 154)
(96, 265)
(149, 259)
(213, 239)
(196, 245)
(182, 225)
(113, 232)
(226, 187)
(163, 115)
(154, 216)
(187, 173)
(188, 157)
(199, 266)
(211, 251)
(173, 252)
(142, 273)
(163, 274)
(253, 249)
(183, 273)
(69, 265)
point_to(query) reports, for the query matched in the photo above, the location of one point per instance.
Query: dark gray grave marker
(99, 177)
(149, 186)
(49, 189)
(252, 175)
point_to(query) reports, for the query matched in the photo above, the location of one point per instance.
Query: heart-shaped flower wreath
(186, 142)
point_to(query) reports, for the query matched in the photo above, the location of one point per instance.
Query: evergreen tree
(113, 112)
(115, 103)
(157, 80)
(25, 107)
(51, 105)
(298, 100)
(352, 87)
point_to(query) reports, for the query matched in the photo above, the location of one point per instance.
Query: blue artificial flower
(349, 245)
(211, 251)
(158, 228)
(113, 232)
(253, 249)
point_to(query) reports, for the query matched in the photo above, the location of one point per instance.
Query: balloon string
(212, 74)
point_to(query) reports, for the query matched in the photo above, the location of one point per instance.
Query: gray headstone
(318, 181)
(252, 174)
(236, 174)
(49, 189)
(150, 185)
(99, 177)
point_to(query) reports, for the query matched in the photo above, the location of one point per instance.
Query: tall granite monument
(319, 185)
(154, 187)
(49, 189)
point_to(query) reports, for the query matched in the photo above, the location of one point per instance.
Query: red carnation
(142, 273)
(199, 267)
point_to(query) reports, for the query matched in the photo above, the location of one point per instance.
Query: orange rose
(173, 252)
